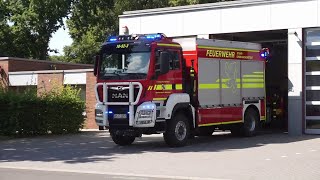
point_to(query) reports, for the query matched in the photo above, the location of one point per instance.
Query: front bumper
(144, 116)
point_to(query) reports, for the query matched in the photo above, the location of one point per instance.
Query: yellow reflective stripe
(178, 86)
(226, 80)
(252, 80)
(252, 85)
(220, 123)
(165, 87)
(238, 80)
(238, 85)
(224, 86)
(231, 49)
(253, 76)
(159, 99)
(231, 122)
(158, 87)
(168, 86)
(210, 124)
(262, 118)
(171, 45)
(209, 86)
(258, 72)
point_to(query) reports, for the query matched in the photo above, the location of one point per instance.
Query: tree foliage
(91, 21)
(27, 26)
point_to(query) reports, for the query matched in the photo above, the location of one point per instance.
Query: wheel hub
(181, 130)
(251, 124)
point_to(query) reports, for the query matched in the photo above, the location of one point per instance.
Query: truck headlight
(98, 113)
(145, 113)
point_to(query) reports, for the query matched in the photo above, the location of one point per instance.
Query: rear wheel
(178, 131)
(250, 125)
(251, 122)
(122, 140)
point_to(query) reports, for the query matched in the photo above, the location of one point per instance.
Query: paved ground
(267, 156)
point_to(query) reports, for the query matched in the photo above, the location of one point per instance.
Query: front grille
(121, 95)
(123, 122)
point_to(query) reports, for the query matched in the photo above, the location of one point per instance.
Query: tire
(249, 127)
(251, 122)
(178, 131)
(122, 140)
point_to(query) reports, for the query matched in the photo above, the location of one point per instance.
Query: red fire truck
(150, 84)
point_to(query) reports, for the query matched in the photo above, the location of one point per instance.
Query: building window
(312, 79)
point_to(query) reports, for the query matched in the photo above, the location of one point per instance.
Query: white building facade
(300, 18)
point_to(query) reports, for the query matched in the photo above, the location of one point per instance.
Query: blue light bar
(110, 112)
(112, 39)
(153, 36)
(157, 36)
(262, 55)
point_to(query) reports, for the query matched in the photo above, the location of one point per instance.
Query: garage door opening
(276, 72)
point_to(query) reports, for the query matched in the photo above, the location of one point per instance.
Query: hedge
(58, 111)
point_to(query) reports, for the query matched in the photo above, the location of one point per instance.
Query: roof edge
(52, 71)
(217, 5)
(43, 61)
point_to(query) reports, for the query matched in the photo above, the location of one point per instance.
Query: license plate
(119, 116)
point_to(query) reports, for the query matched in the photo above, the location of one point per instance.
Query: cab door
(170, 82)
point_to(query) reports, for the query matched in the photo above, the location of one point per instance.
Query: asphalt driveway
(222, 156)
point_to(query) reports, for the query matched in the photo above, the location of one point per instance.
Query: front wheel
(122, 140)
(178, 131)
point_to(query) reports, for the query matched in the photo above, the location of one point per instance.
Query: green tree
(92, 21)
(29, 24)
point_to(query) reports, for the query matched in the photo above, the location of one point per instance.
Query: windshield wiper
(136, 75)
(115, 73)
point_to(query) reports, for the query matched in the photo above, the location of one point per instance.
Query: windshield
(132, 65)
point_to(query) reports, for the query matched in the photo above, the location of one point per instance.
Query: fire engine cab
(150, 84)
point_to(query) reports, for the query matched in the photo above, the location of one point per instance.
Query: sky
(60, 39)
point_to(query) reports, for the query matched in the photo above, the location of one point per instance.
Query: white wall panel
(171, 25)
(252, 18)
(23, 79)
(294, 14)
(201, 22)
(75, 78)
(133, 23)
(255, 17)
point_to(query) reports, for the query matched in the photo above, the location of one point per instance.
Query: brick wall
(90, 101)
(4, 78)
(47, 81)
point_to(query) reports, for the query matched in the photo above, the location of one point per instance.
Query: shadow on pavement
(98, 146)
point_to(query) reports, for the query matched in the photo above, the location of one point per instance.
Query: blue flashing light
(112, 39)
(153, 36)
(110, 112)
(264, 53)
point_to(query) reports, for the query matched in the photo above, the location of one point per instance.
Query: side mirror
(164, 62)
(96, 62)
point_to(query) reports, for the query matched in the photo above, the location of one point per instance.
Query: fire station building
(17, 74)
(290, 29)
